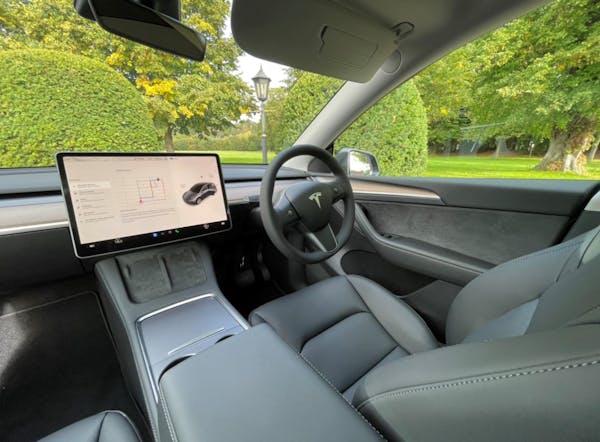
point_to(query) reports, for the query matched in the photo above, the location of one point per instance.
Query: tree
(307, 94)
(77, 104)
(274, 111)
(446, 90)
(394, 130)
(182, 95)
(540, 74)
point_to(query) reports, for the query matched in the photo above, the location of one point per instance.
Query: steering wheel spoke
(285, 212)
(339, 188)
(323, 240)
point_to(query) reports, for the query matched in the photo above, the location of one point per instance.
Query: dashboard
(35, 243)
(30, 199)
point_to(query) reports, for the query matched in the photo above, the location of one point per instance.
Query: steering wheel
(307, 208)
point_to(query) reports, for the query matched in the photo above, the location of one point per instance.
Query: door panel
(492, 236)
(554, 197)
(425, 238)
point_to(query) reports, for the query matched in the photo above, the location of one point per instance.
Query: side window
(520, 102)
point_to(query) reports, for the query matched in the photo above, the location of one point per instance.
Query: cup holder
(173, 363)
(222, 338)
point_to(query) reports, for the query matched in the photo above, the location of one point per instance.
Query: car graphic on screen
(198, 193)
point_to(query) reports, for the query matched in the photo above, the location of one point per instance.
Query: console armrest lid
(253, 387)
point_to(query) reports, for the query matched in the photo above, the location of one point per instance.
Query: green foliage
(540, 73)
(446, 89)
(537, 76)
(243, 137)
(274, 114)
(53, 101)
(305, 98)
(394, 130)
(182, 95)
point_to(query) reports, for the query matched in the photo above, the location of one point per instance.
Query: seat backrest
(544, 290)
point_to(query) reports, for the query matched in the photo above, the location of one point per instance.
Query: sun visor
(319, 36)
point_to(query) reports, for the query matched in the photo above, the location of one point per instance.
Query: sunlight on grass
(455, 166)
(238, 156)
(490, 167)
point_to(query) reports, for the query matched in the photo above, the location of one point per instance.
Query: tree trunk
(501, 148)
(169, 139)
(567, 146)
(592, 152)
(556, 151)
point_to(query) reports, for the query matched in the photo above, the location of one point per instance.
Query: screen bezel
(116, 245)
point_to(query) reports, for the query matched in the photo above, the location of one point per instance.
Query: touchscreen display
(124, 201)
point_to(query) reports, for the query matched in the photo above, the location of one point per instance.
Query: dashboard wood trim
(361, 188)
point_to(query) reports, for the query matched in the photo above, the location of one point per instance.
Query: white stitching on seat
(167, 416)
(338, 393)
(478, 380)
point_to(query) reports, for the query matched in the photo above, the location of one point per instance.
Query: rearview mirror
(158, 27)
(358, 162)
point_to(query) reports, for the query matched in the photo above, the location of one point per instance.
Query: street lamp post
(261, 85)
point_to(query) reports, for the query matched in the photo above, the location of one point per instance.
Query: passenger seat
(108, 426)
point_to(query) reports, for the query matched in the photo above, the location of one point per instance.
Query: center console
(176, 332)
(163, 305)
(197, 370)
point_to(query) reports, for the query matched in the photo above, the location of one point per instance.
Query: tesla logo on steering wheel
(316, 197)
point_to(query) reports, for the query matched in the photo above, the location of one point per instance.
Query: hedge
(394, 130)
(54, 101)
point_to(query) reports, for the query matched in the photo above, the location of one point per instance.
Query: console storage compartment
(254, 387)
(182, 330)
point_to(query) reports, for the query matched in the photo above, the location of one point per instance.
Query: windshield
(520, 102)
(68, 85)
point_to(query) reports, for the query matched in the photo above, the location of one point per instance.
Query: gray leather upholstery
(345, 326)
(506, 287)
(524, 348)
(253, 387)
(108, 426)
(540, 386)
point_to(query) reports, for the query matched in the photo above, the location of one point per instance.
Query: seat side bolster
(101, 427)
(507, 389)
(506, 287)
(118, 426)
(402, 323)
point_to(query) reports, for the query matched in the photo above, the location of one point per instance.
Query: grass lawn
(490, 167)
(457, 167)
(242, 157)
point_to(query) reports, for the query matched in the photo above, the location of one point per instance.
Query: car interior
(295, 300)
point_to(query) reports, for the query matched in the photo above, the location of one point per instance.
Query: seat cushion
(345, 326)
(108, 426)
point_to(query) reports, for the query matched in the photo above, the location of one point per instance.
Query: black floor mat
(57, 365)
